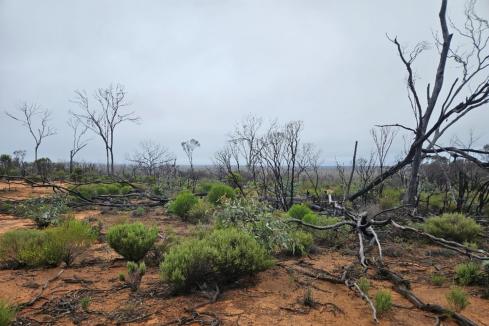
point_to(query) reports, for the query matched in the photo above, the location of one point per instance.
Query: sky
(194, 68)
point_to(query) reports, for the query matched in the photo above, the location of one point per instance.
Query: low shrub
(457, 299)
(390, 198)
(300, 243)
(23, 248)
(7, 313)
(97, 189)
(219, 191)
(221, 256)
(51, 246)
(383, 301)
(467, 273)
(452, 226)
(67, 241)
(182, 203)
(438, 279)
(200, 212)
(138, 212)
(298, 211)
(85, 303)
(308, 299)
(132, 241)
(364, 284)
(135, 273)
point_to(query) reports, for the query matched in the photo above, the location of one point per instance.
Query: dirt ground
(273, 297)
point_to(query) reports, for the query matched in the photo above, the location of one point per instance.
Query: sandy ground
(273, 297)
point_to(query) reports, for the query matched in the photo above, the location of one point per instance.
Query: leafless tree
(106, 117)
(227, 161)
(79, 142)
(366, 169)
(280, 155)
(310, 164)
(383, 140)
(151, 156)
(246, 137)
(188, 147)
(36, 121)
(464, 94)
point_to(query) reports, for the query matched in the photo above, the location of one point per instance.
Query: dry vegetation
(266, 235)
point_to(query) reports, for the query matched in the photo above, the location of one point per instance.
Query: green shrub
(182, 203)
(219, 191)
(67, 241)
(23, 247)
(44, 211)
(221, 256)
(138, 212)
(438, 279)
(132, 241)
(364, 284)
(298, 211)
(390, 198)
(452, 226)
(383, 301)
(7, 313)
(135, 273)
(300, 243)
(457, 299)
(85, 303)
(467, 273)
(200, 212)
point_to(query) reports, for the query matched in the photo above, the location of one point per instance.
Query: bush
(391, 197)
(364, 284)
(85, 303)
(221, 256)
(23, 247)
(67, 241)
(132, 241)
(300, 243)
(135, 273)
(138, 212)
(200, 212)
(457, 299)
(452, 226)
(298, 211)
(218, 191)
(44, 211)
(383, 301)
(182, 204)
(438, 279)
(31, 248)
(467, 273)
(7, 313)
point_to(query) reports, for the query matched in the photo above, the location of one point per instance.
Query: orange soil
(273, 297)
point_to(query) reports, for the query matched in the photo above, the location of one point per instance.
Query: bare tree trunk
(347, 192)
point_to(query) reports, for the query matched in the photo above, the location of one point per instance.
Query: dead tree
(366, 170)
(464, 94)
(246, 136)
(40, 129)
(104, 119)
(79, 130)
(310, 164)
(227, 161)
(383, 140)
(188, 147)
(151, 157)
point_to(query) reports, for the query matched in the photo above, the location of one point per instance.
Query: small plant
(457, 299)
(67, 241)
(182, 203)
(300, 243)
(200, 212)
(453, 226)
(221, 256)
(85, 303)
(298, 211)
(467, 273)
(383, 301)
(138, 212)
(135, 273)
(364, 284)
(308, 299)
(438, 279)
(219, 191)
(7, 313)
(122, 277)
(23, 247)
(132, 241)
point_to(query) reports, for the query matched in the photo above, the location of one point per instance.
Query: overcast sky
(192, 69)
